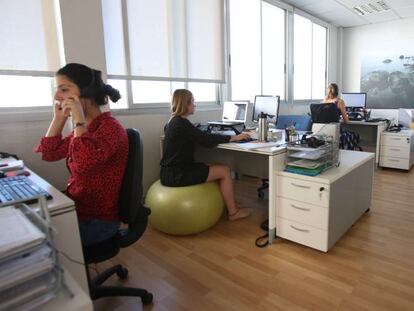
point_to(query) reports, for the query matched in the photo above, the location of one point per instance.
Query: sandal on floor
(241, 213)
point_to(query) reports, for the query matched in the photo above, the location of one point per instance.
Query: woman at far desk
(177, 164)
(332, 98)
(348, 140)
(96, 151)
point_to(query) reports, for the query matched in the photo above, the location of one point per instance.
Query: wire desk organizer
(37, 282)
(312, 156)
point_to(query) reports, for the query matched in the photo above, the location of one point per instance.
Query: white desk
(259, 163)
(65, 221)
(317, 211)
(269, 163)
(370, 133)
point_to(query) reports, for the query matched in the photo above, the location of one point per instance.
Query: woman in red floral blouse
(96, 151)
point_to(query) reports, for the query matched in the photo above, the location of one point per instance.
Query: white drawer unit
(311, 192)
(397, 149)
(317, 211)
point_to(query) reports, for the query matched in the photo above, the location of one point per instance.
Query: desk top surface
(270, 149)
(60, 203)
(366, 123)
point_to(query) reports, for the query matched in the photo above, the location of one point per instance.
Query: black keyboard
(18, 188)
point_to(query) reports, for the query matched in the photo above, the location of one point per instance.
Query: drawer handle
(396, 138)
(301, 208)
(298, 229)
(300, 186)
(394, 149)
(391, 160)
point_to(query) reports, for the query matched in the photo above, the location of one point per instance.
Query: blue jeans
(95, 230)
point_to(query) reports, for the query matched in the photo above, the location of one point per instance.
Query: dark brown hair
(90, 83)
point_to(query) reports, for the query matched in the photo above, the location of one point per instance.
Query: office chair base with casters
(97, 290)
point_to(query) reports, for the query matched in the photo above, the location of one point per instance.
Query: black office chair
(133, 213)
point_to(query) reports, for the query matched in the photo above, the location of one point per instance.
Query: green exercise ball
(184, 210)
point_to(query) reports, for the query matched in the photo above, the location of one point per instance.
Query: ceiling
(341, 12)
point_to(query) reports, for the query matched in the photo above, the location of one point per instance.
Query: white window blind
(257, 49)
(28, 35)
(167, 40)
(310, 42)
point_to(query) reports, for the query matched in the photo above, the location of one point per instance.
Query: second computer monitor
(355, 100)
(235, 111)
(266, 104)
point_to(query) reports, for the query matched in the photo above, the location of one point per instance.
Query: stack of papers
(26, 261)
(17, 233)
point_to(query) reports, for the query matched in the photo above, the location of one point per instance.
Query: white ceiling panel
(341, 13)
(345, 19)
(323, 6)
(301, 3)
(381, 17)
(399, 3)
(405, 12)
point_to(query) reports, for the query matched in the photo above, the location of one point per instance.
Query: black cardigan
(180, 139)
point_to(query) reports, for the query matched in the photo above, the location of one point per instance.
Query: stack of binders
(29, 273)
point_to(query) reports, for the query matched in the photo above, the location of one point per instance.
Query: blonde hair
(181, 100)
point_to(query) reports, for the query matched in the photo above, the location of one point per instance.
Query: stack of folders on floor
(309, 162)
(28, 275)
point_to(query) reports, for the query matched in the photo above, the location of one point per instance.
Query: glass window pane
(120, 85)
(245, 49)
(203, 92)
(204, 26)
(28, 27)
(148, 37)
(114, 39)
(302, 58)
(20, 91)
(318, 62)
(145, 92)
(273, 41)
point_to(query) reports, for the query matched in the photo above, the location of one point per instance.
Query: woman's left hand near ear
(72, 106)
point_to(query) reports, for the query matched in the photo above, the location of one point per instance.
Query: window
(165, 45)
(257, 49)
(309, 59)
(29, 52)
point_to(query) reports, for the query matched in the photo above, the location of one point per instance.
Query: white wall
(372, 39)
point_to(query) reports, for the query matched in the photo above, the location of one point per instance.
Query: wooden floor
(370, 268)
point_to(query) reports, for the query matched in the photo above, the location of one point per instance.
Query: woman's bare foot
(240, 213)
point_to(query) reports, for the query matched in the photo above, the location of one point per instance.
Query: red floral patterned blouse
(96, 162)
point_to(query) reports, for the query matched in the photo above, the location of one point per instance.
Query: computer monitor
(235, 111)
(267, 104)
(355, 100)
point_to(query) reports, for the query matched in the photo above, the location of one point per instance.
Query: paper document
(256, 145)
(304, 163)
(308, 154)
(17, 232)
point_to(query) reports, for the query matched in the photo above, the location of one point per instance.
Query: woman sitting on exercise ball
(178, 167)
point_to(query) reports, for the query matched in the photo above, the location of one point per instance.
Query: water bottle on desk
(262, 127)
